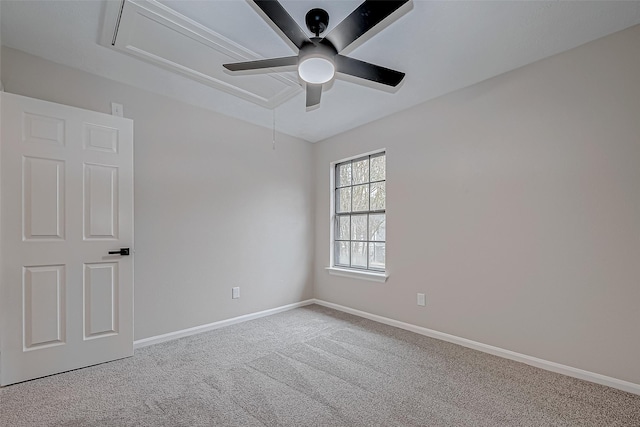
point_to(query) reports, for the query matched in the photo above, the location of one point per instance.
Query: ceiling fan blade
(314, 92)
(262, 63)
(365, 17)
(279, 16)
(365, 70)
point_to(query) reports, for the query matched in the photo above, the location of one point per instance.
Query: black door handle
(123, 252)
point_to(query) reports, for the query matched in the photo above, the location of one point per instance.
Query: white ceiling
(441, 45)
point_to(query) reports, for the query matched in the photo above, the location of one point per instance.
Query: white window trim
(353, 273)
(358, 274)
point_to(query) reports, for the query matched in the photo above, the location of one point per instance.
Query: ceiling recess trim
(153, 32)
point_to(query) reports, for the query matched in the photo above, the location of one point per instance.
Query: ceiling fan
(318, 57)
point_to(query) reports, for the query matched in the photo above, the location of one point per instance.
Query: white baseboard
(497, 351)
(215, 325)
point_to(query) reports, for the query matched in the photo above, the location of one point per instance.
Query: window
(359, 213)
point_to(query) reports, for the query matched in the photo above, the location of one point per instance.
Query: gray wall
(514, 205)
(215, 206)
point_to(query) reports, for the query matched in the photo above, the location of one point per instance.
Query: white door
(66, 196)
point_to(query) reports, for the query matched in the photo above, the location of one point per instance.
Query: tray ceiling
(150, 31)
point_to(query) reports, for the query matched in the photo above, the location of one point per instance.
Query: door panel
(101, 299)
(100, 202)
(43, 198)
(66, 190)
(43, 129)
(44, 306)
(100, 138)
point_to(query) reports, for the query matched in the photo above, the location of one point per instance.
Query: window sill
(357, 274)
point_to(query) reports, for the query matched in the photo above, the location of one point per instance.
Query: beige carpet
(313, 367)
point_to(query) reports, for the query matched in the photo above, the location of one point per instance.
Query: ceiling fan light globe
(316, 70)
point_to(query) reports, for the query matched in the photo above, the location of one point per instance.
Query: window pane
(342, 232)
(359, 254)
(360, 219)
(342, 253)
(359, 227)
(361, 171)
(378, 166)
(343, 199)
(361, 198)
(378, 195)
(343, 175)
(377, 256)
(377, 227)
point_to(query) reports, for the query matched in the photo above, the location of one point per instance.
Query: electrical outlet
(422, 300)
(235, 292)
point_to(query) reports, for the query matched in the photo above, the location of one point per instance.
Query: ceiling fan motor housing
(318, 47)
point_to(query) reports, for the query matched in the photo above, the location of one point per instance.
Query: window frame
(368, 273)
